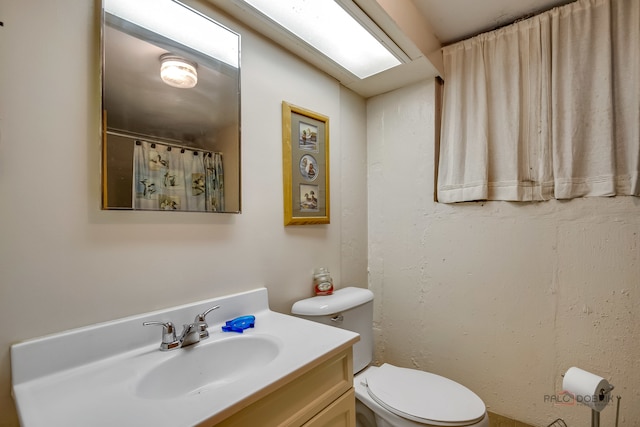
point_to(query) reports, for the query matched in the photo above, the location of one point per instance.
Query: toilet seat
(424, 397)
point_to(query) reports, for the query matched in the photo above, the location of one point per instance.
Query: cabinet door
(341, 413)
(300, 400)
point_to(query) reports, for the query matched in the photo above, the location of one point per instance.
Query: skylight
(334, 32)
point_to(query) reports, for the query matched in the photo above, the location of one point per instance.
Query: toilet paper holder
(602, 394)
(595, 415)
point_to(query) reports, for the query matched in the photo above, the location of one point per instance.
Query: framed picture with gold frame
(305, 162)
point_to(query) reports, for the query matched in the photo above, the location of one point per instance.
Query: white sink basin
(207, 366)
(114, 374)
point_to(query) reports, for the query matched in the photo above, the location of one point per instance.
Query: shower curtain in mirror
(215, 182)
(166, 177)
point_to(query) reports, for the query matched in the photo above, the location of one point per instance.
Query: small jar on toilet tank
(322, 281)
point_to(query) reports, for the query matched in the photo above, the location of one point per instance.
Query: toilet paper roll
(587, 388)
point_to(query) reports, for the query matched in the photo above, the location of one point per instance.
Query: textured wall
(64, 263)
(502, 297)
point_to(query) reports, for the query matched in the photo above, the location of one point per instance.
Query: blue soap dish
(239, 324)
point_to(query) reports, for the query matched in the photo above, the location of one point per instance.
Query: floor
(496, 420)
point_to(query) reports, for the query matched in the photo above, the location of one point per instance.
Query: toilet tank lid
(341, 300)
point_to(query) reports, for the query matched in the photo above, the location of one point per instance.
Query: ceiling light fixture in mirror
(178, 72)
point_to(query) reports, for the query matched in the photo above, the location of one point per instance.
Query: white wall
(502, 297)
(64, 263)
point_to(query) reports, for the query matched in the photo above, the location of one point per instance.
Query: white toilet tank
(348, 308)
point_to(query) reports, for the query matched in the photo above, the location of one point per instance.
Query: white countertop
(67, 380)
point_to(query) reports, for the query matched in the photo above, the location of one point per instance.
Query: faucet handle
(169, 340)
(202, 324)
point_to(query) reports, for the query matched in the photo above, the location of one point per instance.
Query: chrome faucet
(202, 324)
(191, 334)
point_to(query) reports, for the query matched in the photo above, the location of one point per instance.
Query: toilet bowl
(401, 397)
(391, 396)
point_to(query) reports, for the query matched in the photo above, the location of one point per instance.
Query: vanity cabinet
(318, 395)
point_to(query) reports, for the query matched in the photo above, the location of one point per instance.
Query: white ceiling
(455, 20)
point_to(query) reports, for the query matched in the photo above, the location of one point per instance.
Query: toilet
(387, 395)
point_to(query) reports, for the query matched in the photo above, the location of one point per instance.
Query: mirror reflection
(171, 109)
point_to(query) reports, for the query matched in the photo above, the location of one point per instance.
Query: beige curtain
(545, 108)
